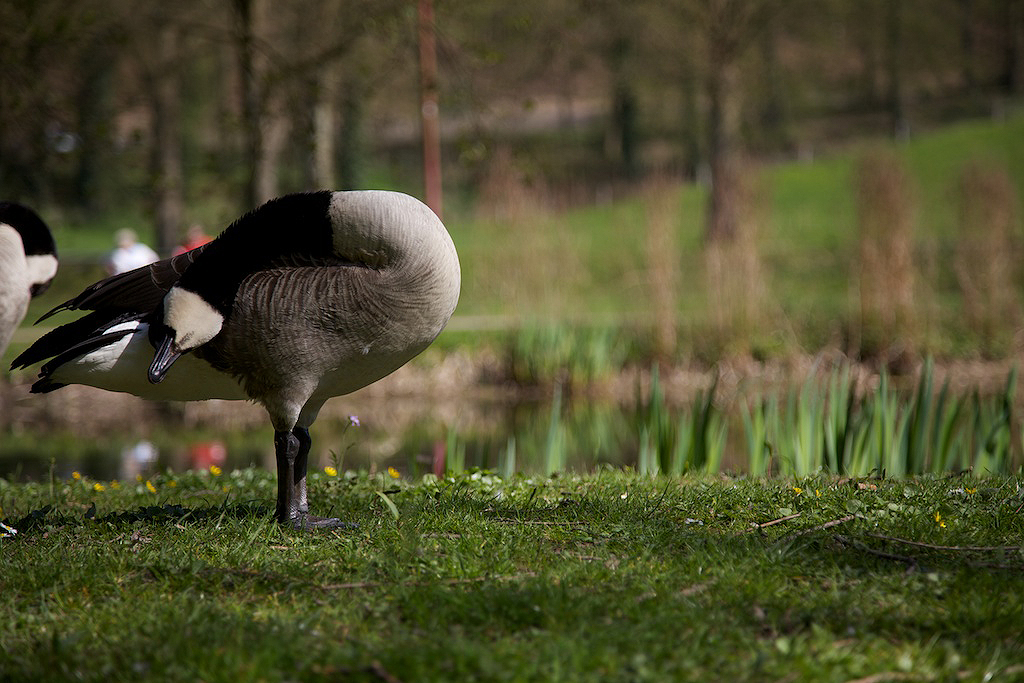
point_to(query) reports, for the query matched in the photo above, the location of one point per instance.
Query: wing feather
(141, 289)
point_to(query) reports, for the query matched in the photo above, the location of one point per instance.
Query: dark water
(530, 437)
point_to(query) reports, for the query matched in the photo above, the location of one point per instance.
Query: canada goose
(307, 297)
(28, 262)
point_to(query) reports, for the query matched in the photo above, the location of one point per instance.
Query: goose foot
(308, 522)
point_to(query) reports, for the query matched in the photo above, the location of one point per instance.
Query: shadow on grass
(48, 516)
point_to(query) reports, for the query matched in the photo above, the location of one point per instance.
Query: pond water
(412, 435)
(108, 436)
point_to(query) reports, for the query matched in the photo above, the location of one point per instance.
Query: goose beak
(163, 359)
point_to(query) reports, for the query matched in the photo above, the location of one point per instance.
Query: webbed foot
(308, 522)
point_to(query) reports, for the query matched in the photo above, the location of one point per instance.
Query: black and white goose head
(189, 321)
(28, 263)
(18, 223)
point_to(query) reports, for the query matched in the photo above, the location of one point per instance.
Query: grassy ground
(605, 577)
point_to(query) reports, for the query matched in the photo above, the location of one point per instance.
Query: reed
(693, 441)
(549, 354)
(661, 204)
(886, 216)
(736, 280)
(985, 261)
(830, 427)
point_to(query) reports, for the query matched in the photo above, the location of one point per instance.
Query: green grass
(605, 577)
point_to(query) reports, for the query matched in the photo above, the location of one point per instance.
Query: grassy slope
(603, 578)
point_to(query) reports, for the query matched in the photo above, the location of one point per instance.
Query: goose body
(28, 262)
(307, 297)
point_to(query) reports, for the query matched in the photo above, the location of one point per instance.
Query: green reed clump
(541, 355)
(831, 428)
(692, 442)
(835, 426)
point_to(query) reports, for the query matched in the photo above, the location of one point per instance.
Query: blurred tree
(94, 106)
(728, 30)
(1012, 73)
(44, 44)
(252, 98)
(292, 58)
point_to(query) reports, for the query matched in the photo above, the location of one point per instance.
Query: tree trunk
(324, 126)
(894, 24)
(274, 126)
(967, 44)
(723, 149)
(168, 174)
(691, 128)
(1013, 70)
(93, 104)
(429, 107)
(622, 136)
(251, 71)
(350, 160)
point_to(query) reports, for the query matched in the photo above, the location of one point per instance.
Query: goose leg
(292, 505)
(301, 460)
(286, 449)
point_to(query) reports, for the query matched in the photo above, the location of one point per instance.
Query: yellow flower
(798, 490)
(971, 490)
(214, 470)
(330, 471)
(150, 487)
(76, 475)
(817, 493)
(224, 488)
(115, 484)
(938, 520)
(98, 486)
(395, 474)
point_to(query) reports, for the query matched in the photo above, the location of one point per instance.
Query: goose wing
(77, 337)
(139, 290)
(121, 298)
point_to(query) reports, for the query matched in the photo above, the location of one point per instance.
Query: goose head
(37, 244)
(189, 321)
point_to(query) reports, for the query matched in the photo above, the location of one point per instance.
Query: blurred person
(137, 459)
(129, 253)
(194, 237)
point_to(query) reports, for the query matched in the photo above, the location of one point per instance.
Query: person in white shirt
(129, 253)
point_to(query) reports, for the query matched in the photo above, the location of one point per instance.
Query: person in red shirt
(194, 237)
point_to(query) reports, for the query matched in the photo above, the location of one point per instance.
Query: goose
(28, 263)
(307, 297)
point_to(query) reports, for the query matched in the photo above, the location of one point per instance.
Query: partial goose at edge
(28, 264)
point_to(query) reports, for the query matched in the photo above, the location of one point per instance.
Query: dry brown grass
(661, 207)
(886, 215)
(985, 261)
(736, 280)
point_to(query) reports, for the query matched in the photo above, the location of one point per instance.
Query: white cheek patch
(41, 268)
(192, 318)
